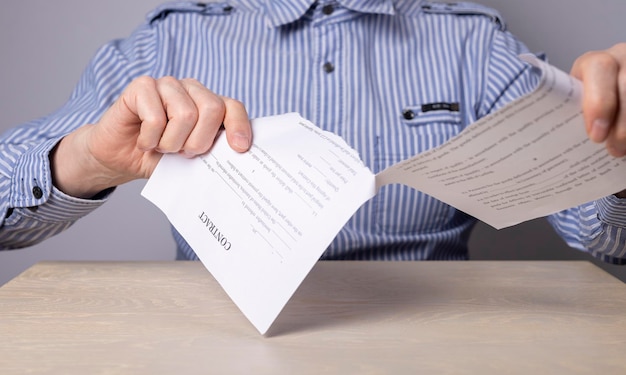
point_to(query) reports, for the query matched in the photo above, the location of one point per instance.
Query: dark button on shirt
(329, 67)
(37, 192)
(408, 114)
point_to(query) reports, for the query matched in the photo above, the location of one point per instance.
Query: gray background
(46, 44)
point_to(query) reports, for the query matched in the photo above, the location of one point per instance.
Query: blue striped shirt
(364, 69)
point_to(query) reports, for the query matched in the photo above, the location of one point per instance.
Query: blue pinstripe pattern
(387, 57)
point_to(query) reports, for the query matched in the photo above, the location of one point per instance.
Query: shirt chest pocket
(400, 209)
(417, 129)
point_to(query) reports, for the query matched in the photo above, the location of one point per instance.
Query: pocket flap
(419, 115)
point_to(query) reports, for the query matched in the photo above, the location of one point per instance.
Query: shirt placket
(327, 73)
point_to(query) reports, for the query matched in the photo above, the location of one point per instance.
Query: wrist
(74, 171)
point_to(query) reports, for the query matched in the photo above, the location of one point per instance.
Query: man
(367, 70)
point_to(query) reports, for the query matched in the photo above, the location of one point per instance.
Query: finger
(182, 114)
(598, 72)
(211, 112)
(237, 125)
(142, 107)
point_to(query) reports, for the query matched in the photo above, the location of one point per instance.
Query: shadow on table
(335, 296)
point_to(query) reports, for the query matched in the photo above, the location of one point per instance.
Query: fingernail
(599, 130)
(241, 141)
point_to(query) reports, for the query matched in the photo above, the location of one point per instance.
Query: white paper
(530, 159)
(260, 220)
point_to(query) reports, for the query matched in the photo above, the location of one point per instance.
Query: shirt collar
(282, 12)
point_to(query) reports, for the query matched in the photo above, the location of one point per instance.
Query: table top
(347, 317)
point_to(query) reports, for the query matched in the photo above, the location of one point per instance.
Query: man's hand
(151, 117)
(603, 74)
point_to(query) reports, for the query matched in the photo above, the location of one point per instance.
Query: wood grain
(346, 318)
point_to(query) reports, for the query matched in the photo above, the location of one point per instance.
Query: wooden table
(346, 318)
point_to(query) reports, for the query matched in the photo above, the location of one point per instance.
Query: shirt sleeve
(598, 227)
(31, 209)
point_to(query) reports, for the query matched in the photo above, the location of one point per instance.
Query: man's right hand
(151, 117)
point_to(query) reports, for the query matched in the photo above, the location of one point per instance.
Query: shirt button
(37, 192)
(328, 9)
(328, 67)
(408, 114)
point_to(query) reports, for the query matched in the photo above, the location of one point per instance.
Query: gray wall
(46, 44)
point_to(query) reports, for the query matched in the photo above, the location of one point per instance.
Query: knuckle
(215, 106)
(605, 61)
(596, 61)
(186, 115)
(168, 80)
(154, 119)
(191, 82)
(144, 81)
(234, 103)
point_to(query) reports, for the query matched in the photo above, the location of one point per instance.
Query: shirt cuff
(31, 183)
(32, 188)
(612, 210)
(63, 207)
